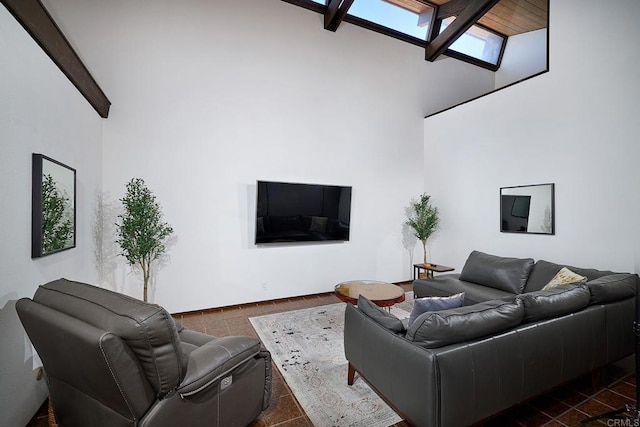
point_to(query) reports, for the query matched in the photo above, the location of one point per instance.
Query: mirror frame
(551, 203)
(40, 164)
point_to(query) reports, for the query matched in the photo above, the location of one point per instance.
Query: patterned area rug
(307, 346)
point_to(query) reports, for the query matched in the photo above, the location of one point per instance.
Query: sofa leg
(351, 374)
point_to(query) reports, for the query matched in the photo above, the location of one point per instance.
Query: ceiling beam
(451, 8)
(35, 19)
(467, 13)
(335, 13)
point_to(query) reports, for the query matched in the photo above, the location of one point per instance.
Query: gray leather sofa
(112, 360)
(460, 366)
(486, 277)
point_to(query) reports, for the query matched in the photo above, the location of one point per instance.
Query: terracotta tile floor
(565, 406)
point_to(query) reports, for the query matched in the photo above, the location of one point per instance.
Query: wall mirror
(527, 209)
(53, 207)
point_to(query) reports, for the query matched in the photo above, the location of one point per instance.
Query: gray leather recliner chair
(112, 360)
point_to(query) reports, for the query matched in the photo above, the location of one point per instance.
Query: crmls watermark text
(623, 423)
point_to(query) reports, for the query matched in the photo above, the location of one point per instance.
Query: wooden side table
(429, 268)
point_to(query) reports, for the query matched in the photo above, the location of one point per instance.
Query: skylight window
(477, 43)
(409, 20)
(385, 13)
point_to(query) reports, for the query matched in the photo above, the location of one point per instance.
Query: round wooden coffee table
(381, 293)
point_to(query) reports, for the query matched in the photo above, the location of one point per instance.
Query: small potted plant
(141, 233)
(423, 220)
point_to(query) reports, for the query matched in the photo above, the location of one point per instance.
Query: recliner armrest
(214, 360)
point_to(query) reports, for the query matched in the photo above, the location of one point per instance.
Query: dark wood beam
(474, 10)
(434, 26)
(335, 13)
(35, 19)
(451, 8)
(330, 13)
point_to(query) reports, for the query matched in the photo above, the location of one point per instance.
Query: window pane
(477, 42)
(391, 15)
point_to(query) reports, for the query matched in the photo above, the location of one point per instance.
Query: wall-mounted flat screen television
(293, 212)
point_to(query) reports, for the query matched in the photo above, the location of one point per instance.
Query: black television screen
(287, 212)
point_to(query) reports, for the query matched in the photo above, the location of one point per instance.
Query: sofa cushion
(374, 312)
(507, 274)
(445, 285)
(560, 300)
(422, 305)
(440, 328)
(543, 271)
(613, 287)
(563, 277)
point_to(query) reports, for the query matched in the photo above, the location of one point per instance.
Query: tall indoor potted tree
(423, 219)
(141, 233)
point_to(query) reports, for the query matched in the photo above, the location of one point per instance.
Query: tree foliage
(141, 233)
(57, 226)
(423, 219)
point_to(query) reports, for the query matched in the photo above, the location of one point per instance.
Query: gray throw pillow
(423, 305)
(374, 312)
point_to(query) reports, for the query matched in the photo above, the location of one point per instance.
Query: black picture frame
(528, 209)
(52, 231)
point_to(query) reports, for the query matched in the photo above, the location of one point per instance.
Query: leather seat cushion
(450, 284)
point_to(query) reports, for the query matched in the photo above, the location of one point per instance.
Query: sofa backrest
(613, 287)
(555, 302)
(93, 377)
(440, 328)
(507, 274)
(543, 271)
(147, 329)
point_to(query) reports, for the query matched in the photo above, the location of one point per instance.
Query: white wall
(524, 55)
(453, 82)
(576, 126)
(209, 97)
(40, 112)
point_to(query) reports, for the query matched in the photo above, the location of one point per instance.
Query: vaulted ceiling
(504, 17)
